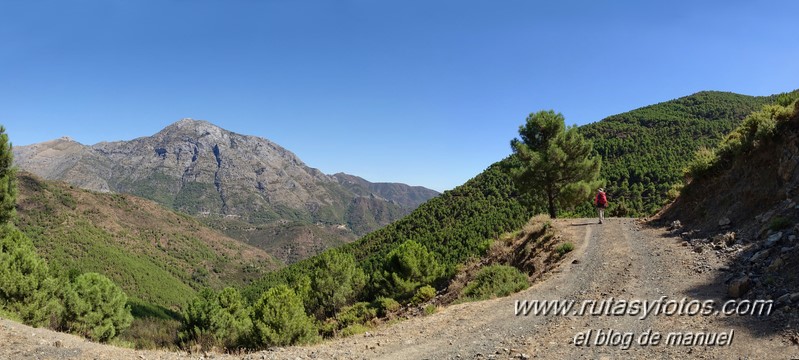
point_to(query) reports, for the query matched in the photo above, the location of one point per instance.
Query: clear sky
(422, 92)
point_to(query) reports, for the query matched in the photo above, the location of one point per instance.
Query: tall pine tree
(557, 162)
(8, 181)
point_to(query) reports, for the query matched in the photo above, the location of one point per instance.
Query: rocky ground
(621, 259)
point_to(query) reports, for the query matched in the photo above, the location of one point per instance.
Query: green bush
(336, 282)
(279, 319)
(424, 294)
(495, 281)
(430, 309)
(217, 319)
(408, 267)
(674, 191)
(97, 308)
(21, 269)
(779, 223)
(46, 306)
(358, 313)
(354, 329)
(564, 248)
(385, 305)
(704, 159)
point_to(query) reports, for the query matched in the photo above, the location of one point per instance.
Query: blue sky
(423, 92)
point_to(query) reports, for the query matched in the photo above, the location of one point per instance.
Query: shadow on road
(766, 285)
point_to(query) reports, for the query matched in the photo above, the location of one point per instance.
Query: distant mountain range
(246, 186)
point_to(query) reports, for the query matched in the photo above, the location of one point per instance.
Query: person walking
(601, 202)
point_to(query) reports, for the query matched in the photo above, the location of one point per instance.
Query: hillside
(156, 255)
(200, 169)
(455, 226)
(644, 150)
(743, 206)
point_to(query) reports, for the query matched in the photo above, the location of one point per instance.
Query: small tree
(557, 162)
(409, 267)
(337, 281)
(279, 319)
(46, 306)
(217, 319)
(98, 308)
(21, 269)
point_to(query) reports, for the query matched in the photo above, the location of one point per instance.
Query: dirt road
(617, 260)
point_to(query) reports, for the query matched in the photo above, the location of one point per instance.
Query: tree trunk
(553, 211)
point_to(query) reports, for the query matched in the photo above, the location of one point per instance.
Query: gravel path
(618, 259)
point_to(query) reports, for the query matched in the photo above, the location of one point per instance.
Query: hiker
(601, 202)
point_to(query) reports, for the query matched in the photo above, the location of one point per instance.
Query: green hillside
(455, 226)
(644, 151)
(155, 255)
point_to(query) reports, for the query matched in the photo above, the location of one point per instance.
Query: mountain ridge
(201, 169)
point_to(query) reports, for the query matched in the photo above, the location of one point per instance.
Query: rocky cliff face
(198, 168)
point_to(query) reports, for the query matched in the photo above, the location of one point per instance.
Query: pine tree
(8, 181)
(97, 308)
(409, 267)
(337, 281)
(279, 319)
(557, 162)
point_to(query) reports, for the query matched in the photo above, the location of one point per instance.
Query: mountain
(644, 150)
(156, 255)
(241, 184)
(407, 196)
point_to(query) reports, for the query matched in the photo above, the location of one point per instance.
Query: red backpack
(601, 199)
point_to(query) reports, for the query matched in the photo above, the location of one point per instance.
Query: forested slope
(454, 226)
(644, 150)
(156, 255)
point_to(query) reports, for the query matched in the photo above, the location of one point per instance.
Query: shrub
(408, 267)
(217, 319)
(779, 223)
(336, 281)
(97, 308)
(152, 333)
(495, 281)
(46, 306)
(564, 248)
(385, 305)
(358, 313)
(430, 309)
(424, 294)
(329, 327)
(21, 269)
(279, 319)
(704, 159)
(354, 329)
(674, 191)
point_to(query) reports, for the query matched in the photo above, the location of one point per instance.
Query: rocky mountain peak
(199, 168)
(192, 125)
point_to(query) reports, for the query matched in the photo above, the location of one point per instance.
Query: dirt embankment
(747, 212)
